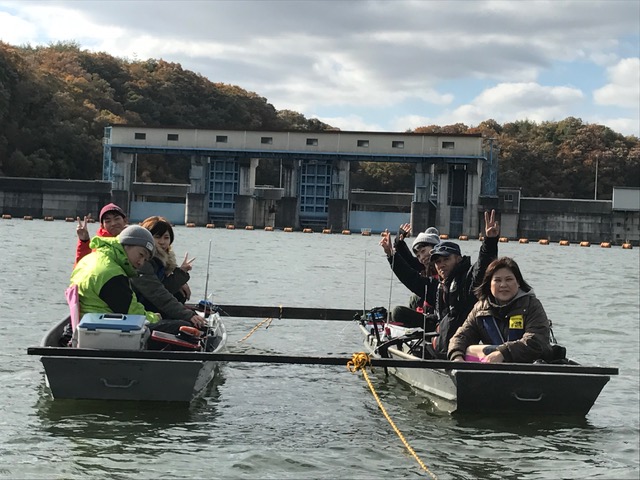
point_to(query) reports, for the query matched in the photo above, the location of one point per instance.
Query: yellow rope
(358, 362)
(256, 328)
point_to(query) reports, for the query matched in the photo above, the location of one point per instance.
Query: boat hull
(499, 392)
(122, 378)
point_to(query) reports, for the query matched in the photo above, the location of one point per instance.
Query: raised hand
(81, 229)
(385, 243)
(186, 263)
(405, 231)
(491, 229)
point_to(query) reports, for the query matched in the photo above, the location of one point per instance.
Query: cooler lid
(112, 321)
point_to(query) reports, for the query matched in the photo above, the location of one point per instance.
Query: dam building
(455, 176)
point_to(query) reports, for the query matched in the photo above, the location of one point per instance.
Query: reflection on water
(110, 436)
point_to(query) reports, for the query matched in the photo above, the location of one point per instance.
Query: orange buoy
(326, 231)
(463, 237)
(268, 229)
(504, 240)
(605, 244)
(210, 225)
(231, 226)
(523, 240)
(366, 233)
(627, 246)
(585, 244)
(307, 230)
(190, 225)
(543, 241)
(6, 216)
(346, 232)
(444, 236)
(565, 243)
(69, 219)
(249, 227)
(288, 229)
(28, 217)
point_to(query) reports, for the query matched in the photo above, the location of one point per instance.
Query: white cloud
(510, 101)
(623, 89)
(15, 30)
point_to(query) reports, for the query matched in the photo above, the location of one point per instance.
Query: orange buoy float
(326, 231)
(346, 232)
(523, 240)
(444, 236)
(6, 216)
(249, 227)
(48, 219)
(69, 219)
(210, 225)
(463, 237)
(288, 229)
(585, 244)
(504, 240)
(190, 225)
(605, 244)
(268, 229)
(366, 233)
(307, 230)
(231, 226)
(627, 246)
(565, 243)
(28, 217)
(543, 241)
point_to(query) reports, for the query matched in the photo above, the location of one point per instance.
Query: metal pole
(595, 190)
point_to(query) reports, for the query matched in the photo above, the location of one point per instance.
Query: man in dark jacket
(453, 294)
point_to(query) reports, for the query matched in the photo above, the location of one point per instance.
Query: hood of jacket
(168, 259)
(112, 248)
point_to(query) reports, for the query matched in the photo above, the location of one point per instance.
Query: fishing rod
(206, 283)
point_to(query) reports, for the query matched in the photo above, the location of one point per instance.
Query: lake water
(313, 422)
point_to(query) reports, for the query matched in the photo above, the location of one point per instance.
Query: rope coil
(358, 362)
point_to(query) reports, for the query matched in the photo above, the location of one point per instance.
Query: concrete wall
(174, 212)
(41, 198)
(377, 221)
(333, 142)
(576, 220)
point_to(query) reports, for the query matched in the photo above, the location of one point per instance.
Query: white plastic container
(112, 331)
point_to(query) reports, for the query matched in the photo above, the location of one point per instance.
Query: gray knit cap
(428, 237)
(136, 235)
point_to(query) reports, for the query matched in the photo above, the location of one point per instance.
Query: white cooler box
(112, 331)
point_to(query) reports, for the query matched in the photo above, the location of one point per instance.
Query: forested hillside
(55, 102)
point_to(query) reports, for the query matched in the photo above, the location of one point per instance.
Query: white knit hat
(428, 237)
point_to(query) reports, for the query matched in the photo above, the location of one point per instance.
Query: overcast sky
(377, 65)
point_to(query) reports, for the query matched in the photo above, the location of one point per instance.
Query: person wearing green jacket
(103, 276)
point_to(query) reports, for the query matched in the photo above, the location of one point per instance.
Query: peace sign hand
(81, 229)
(186, 263)
(492, 229)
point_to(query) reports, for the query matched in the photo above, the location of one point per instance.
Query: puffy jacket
(103, 279)
(520, 329)
(154, 290)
